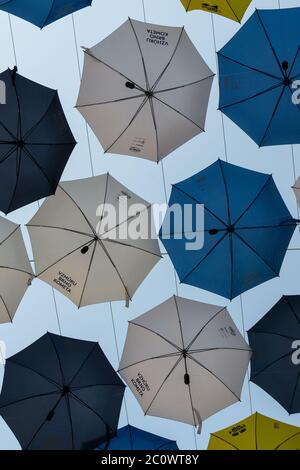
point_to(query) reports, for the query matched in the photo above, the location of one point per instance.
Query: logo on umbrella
(2, 92)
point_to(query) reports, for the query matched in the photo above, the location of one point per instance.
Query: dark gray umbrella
(61, 393)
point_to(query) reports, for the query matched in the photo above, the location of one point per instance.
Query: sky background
(50, 57)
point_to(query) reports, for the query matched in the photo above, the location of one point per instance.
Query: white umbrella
(296, 189)
(78, 254)
(145, 90)
(15, 269)
(184, 360)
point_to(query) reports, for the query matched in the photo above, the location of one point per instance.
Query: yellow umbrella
(257, 432)
(233, 9)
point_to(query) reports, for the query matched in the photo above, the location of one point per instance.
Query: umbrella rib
(204, 326)
(104, 202)
(16, 269)
(49, 144)
(140, 50)
(196, 351)
(224, 440)
(198, 202)
(32, 158)
(163, 383)
(292, 309)
(80, 210)
(63, 257)
(252, 97)
(238, 19)
(61, 228)
(124, 221)
(83, 403)
(119, 100)
(155, 126)
(204, 257)
(71, 420)
(5, 306)
(294, 61)
(268, 179)
(286, 440)
(272, 116)
(226, 191)
(162, 356)
(269, 365)
(166, 90)
(87, 51)
(169, 62)
(294, 394)
(7, 130)
(84, 362)
(58, 358)
(178, 112)
(249, 66)
(131, 246)
(20, 400)
(115, 267)
(87, 276)
(271, 333)
(48, 14)
(256, 252)
(130, 122)
(35, 371)
(179, 320)
(98, 385)
(255, 431)
(214, 375)
(18, 162)
(29, 132)
(188, 6)
(8, 154)
(270, 43)
(155, 333)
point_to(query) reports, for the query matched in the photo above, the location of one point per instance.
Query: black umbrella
(35, 141)
(275, 363)
(61, 393)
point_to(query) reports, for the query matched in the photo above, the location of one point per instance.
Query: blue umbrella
(259, 68)
(42, 12)
(247, 229)
(131, 438)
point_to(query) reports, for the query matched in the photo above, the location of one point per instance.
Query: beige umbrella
(15, 270)
(75, 250)
(145, 90)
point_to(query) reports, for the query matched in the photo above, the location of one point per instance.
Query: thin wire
(80, 76)
(144, 10)
(12, 39)
(248, 372)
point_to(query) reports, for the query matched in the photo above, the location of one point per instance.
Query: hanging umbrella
(296, 189)
(35, 142)
(61, 393)
(258, 70)
(131, 438)
(247, 229)
(85, 258)
(145, 90)
(184, 360)
(42, 12)
(275, 365)
(257, 432)
(15, 269)
(232, 9)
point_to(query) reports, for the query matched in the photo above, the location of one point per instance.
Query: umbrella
(296, 189)
(184, 360)
(275, 365)
(61, 393)
(247, 229)
(82, 254)
(42, 12)
(131, 438)
(232, 9)
(259, 70)
(35, 142)
(257, 432)
(144, 90)
(15, 269)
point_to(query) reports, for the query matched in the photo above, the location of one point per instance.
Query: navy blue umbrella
(61, 393)
(247, 229)
(35, 142)
(42, 12)
(259, 68)
(275, 363)
(131, 438)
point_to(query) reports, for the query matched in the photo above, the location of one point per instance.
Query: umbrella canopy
(275, 365)
(232, 9)
(42, 12)
(247, 229)
(296, 189)
(61, 393)
(258, 69)
(35, 142)
(145, 90)
(131, 438)
(15, 269)
(184, 360)
(257, 432)
(81, 254)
